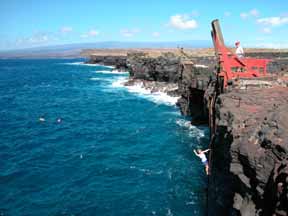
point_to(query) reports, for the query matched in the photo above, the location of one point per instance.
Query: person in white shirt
(202, 156)
(239, 50)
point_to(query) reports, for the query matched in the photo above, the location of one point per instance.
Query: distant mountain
(74, 50)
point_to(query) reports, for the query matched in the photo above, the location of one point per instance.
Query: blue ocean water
(116, 151)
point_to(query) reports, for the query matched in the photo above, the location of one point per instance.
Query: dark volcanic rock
(268, 55)
(278, 66)
(250, 153)
(164, 68)
(193, 82)
(279, 63)
(192, 78)
(118, 61)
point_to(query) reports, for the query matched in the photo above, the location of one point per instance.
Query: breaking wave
(86, 64)
(138, 89)
(193, 130)
(111, 72)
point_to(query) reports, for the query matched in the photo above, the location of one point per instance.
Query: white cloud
(254, 12)
(66, 29)
(273, 21)
(90, 33)
(267, 30)
(38, 38)
(244, 15)
(155, 34)
(182, 22)
(129, 32)
(93, 33)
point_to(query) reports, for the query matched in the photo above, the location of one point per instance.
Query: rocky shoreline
(248, 124)
(119, 62)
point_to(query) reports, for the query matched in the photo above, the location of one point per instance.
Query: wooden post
(217, 32)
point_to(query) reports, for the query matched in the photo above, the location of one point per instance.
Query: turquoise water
(116, 150)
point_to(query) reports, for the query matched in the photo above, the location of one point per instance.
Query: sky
(33, 23)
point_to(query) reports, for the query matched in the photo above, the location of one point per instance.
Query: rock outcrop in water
(119, 62)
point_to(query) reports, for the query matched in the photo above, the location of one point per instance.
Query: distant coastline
(74, 50)
(119, 49)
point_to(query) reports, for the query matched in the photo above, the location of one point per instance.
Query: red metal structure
(232, 67)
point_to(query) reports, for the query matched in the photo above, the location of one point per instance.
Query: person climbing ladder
(202, 156)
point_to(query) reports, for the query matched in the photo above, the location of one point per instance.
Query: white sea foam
(101, 79)
(73, 63)
(113, 81)
(81, 64)
(119, 83)
(86, 64)
(140, 90)
(169, 212)
(169, 172)
(107, 66)
(175, 113)
(95, 78)
(193, 130)
(190, 203)
(147, 171)
(161, 97)
(111, 72)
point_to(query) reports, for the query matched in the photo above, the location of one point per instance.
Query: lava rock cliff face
(164, 68)
(192, 79)
(193, 82)
(118, 61)
(249, 160)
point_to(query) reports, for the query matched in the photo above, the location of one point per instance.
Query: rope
(212, 129)
(212, 137)
(212, 125)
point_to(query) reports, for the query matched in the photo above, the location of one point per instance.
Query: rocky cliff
(163, 68)
(194, 79)
(249, 157)
(118, 61)
(191, 75)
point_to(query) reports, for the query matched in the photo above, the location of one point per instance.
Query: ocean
(75, 141)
